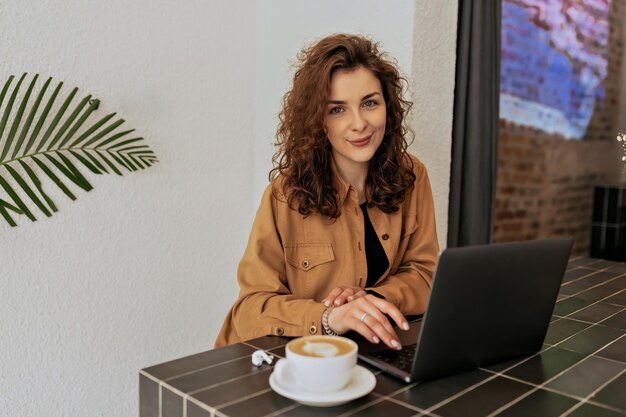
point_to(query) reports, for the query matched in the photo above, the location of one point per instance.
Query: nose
(358, 122)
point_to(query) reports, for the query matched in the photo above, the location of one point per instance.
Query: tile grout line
(515, 364)
(543, 384)
(283, 410)
(623, 336)
(597, 260)
(405, 405)
(169, 378)
(147, 375)
(588, 327)
(264, 349)
(207, 387)
(567, 296)
(615, 278)
(279, 412)
(593, 393)
(244, 398)
(602, 348)
(591, 272)
(591, 322)
(568, 315)
(141, 371)
(611, 316)
(534, 388)
(184, 396)
(607, 407)
(459, 394)
(400, 390)
(363, 407)
(200, 404)
(553, 390)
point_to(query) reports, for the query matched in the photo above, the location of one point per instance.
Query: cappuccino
(321, 347)
(318, 363)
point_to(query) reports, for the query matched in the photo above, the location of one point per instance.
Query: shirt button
(279, 331)
(305, 264)
(385, 236)
(313, 329)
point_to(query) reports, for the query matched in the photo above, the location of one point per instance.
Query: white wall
(141, 269)
(434, 63)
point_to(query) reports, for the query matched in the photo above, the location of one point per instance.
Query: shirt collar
(341, 185)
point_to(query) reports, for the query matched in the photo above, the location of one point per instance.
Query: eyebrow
(370, 95)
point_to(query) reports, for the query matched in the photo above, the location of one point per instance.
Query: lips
(362, 141)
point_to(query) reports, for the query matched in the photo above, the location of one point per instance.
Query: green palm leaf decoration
(45, 137)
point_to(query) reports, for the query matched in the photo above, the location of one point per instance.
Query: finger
(379, 324)
(331, 296)
(371, 309)
(391, 310)
(342, 319)
(390, 339)
(364, 330)
(343, 297)
(359, 294)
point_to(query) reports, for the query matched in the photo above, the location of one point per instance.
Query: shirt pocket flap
(410, 225)
(306, 256)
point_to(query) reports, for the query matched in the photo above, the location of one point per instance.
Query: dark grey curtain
(475, 126)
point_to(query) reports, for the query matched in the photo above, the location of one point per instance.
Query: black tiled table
(581, 371)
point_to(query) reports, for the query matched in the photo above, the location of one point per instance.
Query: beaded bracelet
(325, 325)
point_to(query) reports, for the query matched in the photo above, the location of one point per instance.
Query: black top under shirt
(377, 262)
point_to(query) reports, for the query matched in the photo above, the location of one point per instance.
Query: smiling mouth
(362, 141)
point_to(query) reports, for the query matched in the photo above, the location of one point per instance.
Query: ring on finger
(363, 317)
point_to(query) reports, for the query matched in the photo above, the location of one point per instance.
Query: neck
(354, 173)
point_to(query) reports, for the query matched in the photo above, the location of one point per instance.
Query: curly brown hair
(304, 154)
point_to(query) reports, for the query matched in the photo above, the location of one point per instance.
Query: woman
(345, 232)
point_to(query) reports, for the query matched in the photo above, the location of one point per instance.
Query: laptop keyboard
(401, 359)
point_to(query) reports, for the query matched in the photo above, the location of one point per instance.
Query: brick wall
(545, 181)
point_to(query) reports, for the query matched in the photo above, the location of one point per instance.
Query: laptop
(488, 304)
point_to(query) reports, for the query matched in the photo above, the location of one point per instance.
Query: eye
(370, 103)
(336, 110)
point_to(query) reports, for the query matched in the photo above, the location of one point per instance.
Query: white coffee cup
(318, 364)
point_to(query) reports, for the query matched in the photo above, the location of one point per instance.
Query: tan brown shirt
(292, 262)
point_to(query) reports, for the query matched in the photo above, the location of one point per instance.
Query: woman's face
(355, 116)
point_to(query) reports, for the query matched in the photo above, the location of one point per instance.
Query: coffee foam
(321, 346)
(323, 349)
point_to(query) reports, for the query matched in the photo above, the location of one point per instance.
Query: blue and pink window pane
(554, 62)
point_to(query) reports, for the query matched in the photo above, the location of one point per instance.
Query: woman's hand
(366, 315)
(340, 295)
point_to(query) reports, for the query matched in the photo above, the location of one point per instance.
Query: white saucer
(362, 382)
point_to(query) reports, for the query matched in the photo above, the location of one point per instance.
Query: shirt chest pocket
(307, 264)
